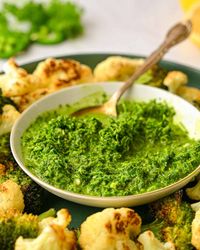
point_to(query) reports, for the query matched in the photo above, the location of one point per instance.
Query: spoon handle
(175, 35)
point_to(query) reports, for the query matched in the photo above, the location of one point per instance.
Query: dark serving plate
(80, 212)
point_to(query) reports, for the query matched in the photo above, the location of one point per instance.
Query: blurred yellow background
(192, 11)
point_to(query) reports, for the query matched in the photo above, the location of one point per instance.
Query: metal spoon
(175, 35)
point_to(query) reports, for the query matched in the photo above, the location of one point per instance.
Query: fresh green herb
(51, 23)
(12, 42)
(142, 150)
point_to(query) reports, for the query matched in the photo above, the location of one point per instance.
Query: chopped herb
(142, 150)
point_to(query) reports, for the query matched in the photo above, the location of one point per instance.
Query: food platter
(139, 92)
(80, 212)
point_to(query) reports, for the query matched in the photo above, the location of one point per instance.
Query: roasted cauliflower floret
(8, 118)
(11, 196)
(53, 74)
(58, 73)
(110, 229)
(49, 76)
(54, 235)
(26, 100)
(196, 230)
(190, 94)
(116, 68)
(194, 192)
(16, 81)
(174, 80)
(150, 242)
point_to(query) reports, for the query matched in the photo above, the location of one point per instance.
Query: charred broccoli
(9, 169)
(14, 224)
(54, 234)
(172, 219)
(153, 77)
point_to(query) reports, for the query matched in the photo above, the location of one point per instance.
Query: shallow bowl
(187, 114)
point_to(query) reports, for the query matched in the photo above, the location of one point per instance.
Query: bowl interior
(187, 114)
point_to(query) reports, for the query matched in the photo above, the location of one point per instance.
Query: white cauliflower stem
(150, 242)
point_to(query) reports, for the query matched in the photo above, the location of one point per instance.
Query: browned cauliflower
(196, 230)
(194, 192)
(116, 68)
(190, 94)
(8, 118)
(110, 229)
(53, 74)
(54, 235)
(59, 73)
(175, 79)
(11, 196)
(17, 81)
(176, 82)
(26, 100)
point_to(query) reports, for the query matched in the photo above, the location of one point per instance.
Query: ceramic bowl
(187, 114)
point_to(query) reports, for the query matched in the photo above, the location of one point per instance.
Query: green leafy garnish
(37, 22)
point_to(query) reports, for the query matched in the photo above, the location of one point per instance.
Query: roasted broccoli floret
(172, 219)
(13, 224)
(9, 170)
(153, 77)
(54, 234)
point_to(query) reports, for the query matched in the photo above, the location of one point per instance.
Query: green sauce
(139, 151)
